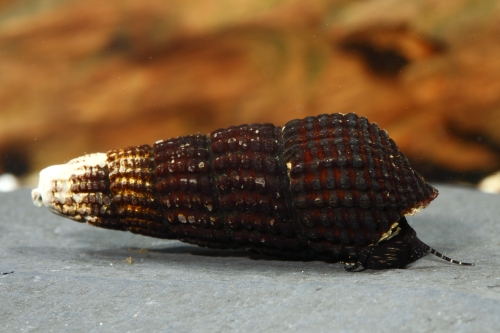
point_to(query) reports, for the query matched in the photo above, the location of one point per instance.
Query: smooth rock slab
(69, 276)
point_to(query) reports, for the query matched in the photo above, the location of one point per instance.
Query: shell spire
(332, 187)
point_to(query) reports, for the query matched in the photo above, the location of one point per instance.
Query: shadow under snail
(332, 187)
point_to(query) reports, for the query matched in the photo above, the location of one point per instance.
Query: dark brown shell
(349, 181)
(329, 187)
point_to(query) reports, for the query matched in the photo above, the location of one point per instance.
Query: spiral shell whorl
(250, 181)
(186, 189)
(349, 181)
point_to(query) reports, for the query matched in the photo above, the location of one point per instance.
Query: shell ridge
(374, 229)
(215, 191)
(361, 235)
(133, 188)
(287, 189)
(250, 184)
(187, 197)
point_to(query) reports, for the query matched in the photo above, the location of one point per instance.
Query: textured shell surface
(332, 187)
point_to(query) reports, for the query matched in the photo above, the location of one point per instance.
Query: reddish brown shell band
(349, 181)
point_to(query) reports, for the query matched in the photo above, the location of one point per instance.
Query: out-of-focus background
(81, 76)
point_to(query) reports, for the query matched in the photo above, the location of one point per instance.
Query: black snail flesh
(332, 187)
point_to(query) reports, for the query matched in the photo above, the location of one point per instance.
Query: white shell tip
(54, 184)
(36, 196)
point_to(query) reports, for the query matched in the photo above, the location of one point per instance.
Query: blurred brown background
(80, 76)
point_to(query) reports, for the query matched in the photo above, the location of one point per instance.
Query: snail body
(332, 187)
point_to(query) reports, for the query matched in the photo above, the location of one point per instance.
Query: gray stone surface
(69, 276)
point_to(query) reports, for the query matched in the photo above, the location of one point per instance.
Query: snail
(331, 187)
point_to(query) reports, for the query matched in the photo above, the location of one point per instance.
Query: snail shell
(332, 187)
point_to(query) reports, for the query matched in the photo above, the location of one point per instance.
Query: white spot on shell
(36, 196)
(261, 181)
(181, 218)
(77, 197)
